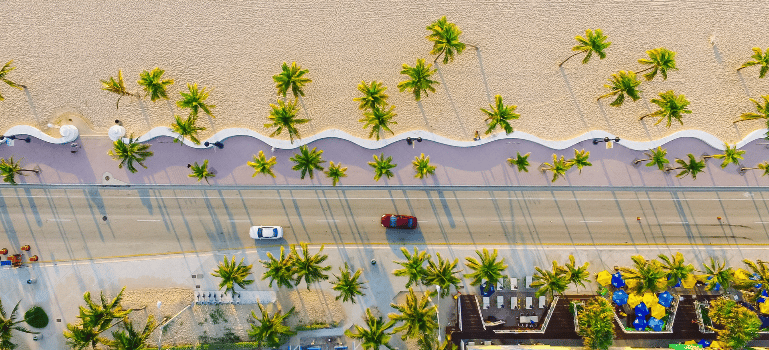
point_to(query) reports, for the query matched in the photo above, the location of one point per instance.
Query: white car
(266, 232)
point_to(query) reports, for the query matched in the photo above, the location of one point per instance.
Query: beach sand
(63, 49)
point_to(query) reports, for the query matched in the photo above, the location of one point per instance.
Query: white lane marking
(327, 220)
(761, 222)
(231, 220)
(147, 220)
(417, 198)
(503, 221)
(58, 220)
(591, 221)
(677, 222)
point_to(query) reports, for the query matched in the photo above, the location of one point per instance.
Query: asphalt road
(67, 224)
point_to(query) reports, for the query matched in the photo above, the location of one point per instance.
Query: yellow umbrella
(740, 274)
(716, 345)
(634, 299)
(650, 299)
(689, 281)
(764, 307)
(631, 284)
(658, 311)
(690, 342)
(603, 278)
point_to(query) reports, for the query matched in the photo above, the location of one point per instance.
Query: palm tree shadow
(143, 109)
(213, 126)
(605, 117)
(573, 98)
(307, 113)
(424, 116)
(451, 101)
(483, 75)
(744, 86)
(32, 106)
(717, 54)
(171, 108)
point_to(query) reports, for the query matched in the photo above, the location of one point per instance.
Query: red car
(399, 221)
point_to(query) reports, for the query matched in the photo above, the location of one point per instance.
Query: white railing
(459, 311)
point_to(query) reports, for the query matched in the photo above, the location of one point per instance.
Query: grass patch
(217, 316)
(36, 317)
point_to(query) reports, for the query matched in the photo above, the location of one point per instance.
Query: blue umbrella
(617, 281)
(760, 300)
(656, 324)
(704, 342)
(641, 310)
(488, 292)
(639, 324)
(665, 299)
(619, 297)
(765, 293)
(717, 287)
(678, 284)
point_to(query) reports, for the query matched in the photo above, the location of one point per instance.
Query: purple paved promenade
(483, 165)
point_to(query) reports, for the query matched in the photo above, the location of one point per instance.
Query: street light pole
(437, 312)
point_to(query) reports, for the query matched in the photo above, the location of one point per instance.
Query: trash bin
(37, 337)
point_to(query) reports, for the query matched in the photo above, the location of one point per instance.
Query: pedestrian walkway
(482, 165)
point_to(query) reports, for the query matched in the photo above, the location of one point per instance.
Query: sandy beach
(63, 49)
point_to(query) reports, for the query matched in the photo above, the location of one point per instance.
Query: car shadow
(397, 237)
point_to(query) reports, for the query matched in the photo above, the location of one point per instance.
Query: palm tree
(283, 116)
(578, 275)
(760, 166)
(7, 68)
(291, 78)
(548, 282)
(580, 159)
(558, 167)
(373, 95)
(379, 119)
(488, 269)
(520, 161)
(279, 270)
(671, 107)
(717, 274)
(656, 157)
(621, 84)
(759, 59)
(154, 84)
(82, 336)
(375, 335)
(186, 128)
(116, 86)
(594, 42)
(443, 274)
(201, 171)
(500, 115)
(262, 165)
(309, 266)
(195, 100)
(413, 267)
(336, 172)
(661, 60)
(10, 168)
(98, 317)
(419, 79)
(429, 342)
(271, 330)
(382, 166)
(422, 166)
(129, 152)
(418, 316)
(646, 276)
(763, 111)
(730, 155)
(694, 167)
(307, 161)
(445, 38)
(348, 285)
(675, 267)
(8, 324)
(232, 274)
(759, 276)
(130, 338)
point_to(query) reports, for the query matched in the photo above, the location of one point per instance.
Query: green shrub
(36, 317)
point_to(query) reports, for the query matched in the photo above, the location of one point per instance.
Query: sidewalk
(59, 287)
(482, 165)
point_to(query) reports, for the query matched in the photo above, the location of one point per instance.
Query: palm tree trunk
(741, 120)
(476, 47)
(641, 160)
(738, 69)
(564, 61)
(607, 95)
(644, 70)
(648, 115)
(439, 56)
(32, 170)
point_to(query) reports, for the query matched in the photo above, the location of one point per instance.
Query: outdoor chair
(529, 280)
(513, 283)
(528, 303)
(486, 303)
(542, 302)
(513, 303)
(501, 284)
(500, 301)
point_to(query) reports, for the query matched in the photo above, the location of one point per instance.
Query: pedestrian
(477, 136)
(74, 147)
